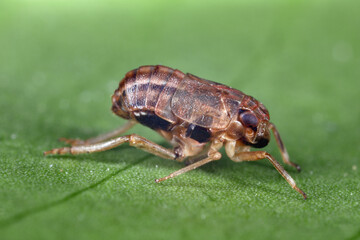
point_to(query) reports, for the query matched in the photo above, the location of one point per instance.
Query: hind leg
(103, 137)
(133, 139)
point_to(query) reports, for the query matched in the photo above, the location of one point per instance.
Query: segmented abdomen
(160, 97)
(145, 89)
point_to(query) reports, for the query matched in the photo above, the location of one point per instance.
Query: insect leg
(210, 158)
(283, 151)
(212, 155)
(133, 139)
(257, 155)
(192, 160)
(117, 132)
(203, 154)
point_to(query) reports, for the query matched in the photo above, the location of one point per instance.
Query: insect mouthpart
(261, 142)
(262, 136)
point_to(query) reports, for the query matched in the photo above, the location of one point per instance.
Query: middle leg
(212, 155)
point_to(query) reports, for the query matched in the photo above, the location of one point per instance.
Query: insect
(195, 115)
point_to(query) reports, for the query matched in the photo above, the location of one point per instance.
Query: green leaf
(60, 61)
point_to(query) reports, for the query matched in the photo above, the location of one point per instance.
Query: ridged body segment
(161, 97)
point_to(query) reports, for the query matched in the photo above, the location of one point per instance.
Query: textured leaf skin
(60, 62)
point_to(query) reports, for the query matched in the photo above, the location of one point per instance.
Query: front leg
(283, 151)
(258, 155)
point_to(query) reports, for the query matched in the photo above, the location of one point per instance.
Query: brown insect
(195, 115)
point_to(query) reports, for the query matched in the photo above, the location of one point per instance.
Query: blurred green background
(60, 61)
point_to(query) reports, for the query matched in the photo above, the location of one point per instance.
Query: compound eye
(249, 120)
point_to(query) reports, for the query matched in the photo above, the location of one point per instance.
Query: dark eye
(249, 120)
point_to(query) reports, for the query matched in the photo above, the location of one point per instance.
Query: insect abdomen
(139, 94)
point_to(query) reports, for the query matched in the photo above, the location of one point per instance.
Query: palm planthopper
(195, 115)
